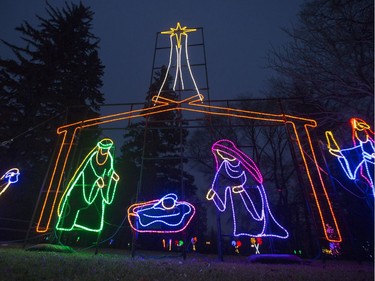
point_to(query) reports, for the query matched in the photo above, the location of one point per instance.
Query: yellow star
(178, 32)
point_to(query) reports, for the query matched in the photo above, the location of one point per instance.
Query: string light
(233, 163)
(357, 161)
(179, 243)
(255, 243)
(163, 243)
(334, 247)
(301, 127)
(194, 241)
(165, 215)
(318, 190)
(93, 183)
(191, 104)
(236, 245)
(10, 176)
(178, 32)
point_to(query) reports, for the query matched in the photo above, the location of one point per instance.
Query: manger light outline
(135, 210)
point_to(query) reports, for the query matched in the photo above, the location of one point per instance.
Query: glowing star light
(166, 215)
(357, 161)
(236, 185)
(178, 32)
(11, 176)
(91, 188)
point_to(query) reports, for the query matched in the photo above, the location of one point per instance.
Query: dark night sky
(237, 36)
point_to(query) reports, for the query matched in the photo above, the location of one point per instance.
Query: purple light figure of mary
(238, 185)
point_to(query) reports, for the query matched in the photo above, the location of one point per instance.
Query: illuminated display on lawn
(334, 248)
(237, 184)
(300, 132)
(10, 176)
(165, 215)
(357, 161)
(193, 242)
(91, 188)
(236, 245)
(255, 243)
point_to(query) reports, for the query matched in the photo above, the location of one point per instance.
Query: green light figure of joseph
(91, 188)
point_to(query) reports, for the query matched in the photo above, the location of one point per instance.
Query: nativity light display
(9, 177)
(165, 215)
(300, 131)
(91, 188)
(237, 184)
(358, 160)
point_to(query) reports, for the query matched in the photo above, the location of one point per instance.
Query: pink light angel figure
(238, 186)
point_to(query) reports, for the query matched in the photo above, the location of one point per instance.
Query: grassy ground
(18, 264)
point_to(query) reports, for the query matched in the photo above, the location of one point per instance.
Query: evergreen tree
(156, 147)
(54, 79)
(153, 161)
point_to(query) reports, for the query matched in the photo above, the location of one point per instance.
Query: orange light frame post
(301, 127)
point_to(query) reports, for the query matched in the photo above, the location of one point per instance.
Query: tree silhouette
(156, 146)
(55, 78)
(153, 159)
(328, 68)
(328, 62)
